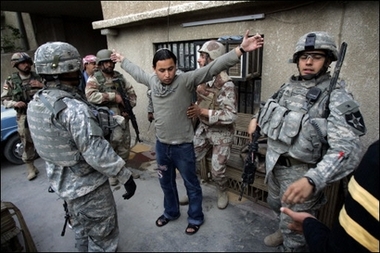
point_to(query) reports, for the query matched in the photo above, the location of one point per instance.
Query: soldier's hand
(193, 111)
(298, 192)
(252, 127)
(119, 99)
(130, 188)
(36, 84)
(20, 104)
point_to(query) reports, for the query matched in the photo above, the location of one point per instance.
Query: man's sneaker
(113, 181)
(184, 200)
(274, 239)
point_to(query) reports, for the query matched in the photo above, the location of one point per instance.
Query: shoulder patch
(353, 116)
(356, 121)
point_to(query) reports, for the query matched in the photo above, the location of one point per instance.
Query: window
(246, 75)
(186, 53)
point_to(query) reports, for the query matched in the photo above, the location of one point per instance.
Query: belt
(288, 161)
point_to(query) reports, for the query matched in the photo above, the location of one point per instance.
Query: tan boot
(113, 181)
(36, 170)
(31, 171)
(222, 199)
(274, 239)
(184, 200)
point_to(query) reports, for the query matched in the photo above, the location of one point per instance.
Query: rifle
(250, 166)
(67, 214)
(128, 108)
(334, 79)
(67, 217)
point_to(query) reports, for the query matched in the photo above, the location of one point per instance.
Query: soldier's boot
(32, 171)
(274, 239)
(184, 200)
(222, 198)
(113, 181)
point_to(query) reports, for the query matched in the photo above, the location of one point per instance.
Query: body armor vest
(106, 86)
(46, 127)
(208, 93)
(22, 90)
(294, 120)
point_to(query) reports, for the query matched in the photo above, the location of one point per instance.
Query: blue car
(11, 145)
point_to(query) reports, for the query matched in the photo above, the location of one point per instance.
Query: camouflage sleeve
(150, 103)
(94, 95)
(130, 92)
(344, 125)
(6, 95)
(88, 137)
(226, 114)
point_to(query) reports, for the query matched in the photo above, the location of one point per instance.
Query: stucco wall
(355, 22)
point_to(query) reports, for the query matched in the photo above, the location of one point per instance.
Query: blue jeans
(182, 157)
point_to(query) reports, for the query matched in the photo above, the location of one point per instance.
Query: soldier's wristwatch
(311, 182)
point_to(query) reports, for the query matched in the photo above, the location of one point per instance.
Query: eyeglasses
(92, 63)
(313, 56)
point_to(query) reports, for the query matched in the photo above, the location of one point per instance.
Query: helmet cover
(54, 58)
(213, 48)
(316, 41)
(20, 57)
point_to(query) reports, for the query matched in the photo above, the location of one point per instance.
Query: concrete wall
(139, 25)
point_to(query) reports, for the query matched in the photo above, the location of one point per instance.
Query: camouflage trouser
(94, 221)
(121, 140)
(29, 153)
(278, 181)
(220, 142)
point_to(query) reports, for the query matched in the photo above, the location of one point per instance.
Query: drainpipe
(24, 37)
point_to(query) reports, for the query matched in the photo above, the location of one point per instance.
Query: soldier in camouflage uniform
(68, 133)
(18, 90)
(215, 109)
(101, 89)
(307, 147)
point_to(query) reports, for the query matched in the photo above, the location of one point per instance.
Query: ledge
(160, 13)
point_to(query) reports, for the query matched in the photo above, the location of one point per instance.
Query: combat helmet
(53, 58)
(213, 48)
(103, 55)
(20, 57)
(316, 41)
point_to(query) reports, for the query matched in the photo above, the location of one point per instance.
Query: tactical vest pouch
(276, 122)
(206, 101)
(291, 127)
(105, 119)
(307, 146)
(266, 114)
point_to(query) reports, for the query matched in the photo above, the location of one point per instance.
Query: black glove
(130, 188)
